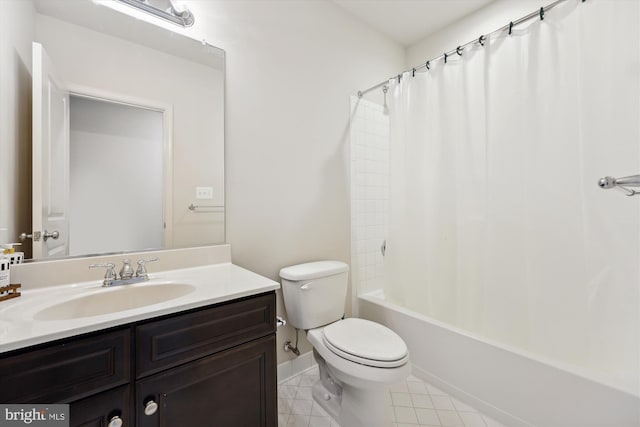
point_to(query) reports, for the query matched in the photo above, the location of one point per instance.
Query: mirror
(126, 119)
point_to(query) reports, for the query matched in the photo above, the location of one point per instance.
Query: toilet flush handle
(306, 286)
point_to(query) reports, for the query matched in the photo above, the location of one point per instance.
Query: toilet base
(326, 391)
(355, 407)
(327, 400)
(352, 406)
(365, 408)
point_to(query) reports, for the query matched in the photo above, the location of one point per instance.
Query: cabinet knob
(115, 422)
(150, 407)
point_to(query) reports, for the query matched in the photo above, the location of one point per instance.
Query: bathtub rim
(378, 297)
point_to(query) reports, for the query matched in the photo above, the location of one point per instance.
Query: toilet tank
(314, 293)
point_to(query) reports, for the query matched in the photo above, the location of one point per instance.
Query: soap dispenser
(10, 253)
(4, 266)
(4, 271)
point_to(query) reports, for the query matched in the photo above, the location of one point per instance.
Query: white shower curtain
(497, 225)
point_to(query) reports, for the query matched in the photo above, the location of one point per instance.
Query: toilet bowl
(357, 394)
(358, 359)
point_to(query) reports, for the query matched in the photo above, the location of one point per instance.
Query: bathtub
(513, 386)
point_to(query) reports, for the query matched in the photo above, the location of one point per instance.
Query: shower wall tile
(369, 133)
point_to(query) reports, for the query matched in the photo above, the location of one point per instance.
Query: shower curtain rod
(538, 13)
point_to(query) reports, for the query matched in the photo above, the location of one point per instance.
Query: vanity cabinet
(231, 388)
(230, 378)
(102, 408)
(90, 373)
(212, 366)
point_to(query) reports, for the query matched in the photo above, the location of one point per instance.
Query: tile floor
(415, 403)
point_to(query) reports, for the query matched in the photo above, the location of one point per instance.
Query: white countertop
(210, 284)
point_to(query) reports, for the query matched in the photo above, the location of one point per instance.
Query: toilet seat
(365, 342)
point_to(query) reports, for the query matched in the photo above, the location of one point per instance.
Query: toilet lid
(366, 342)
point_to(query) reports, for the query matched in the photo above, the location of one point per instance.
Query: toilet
(358, 359)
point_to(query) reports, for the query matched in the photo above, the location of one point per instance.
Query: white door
(50, 159)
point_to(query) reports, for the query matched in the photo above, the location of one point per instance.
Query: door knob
(53, 235)
(35, 236)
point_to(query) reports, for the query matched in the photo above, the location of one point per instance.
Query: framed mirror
(114, 130)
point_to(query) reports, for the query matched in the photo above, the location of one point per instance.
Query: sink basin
(113, 300)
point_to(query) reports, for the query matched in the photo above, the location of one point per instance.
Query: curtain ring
(445, 57)
(481, 40)
(399, 77)
(510, 27)
(542, 13)
(413, 73)
(459, 50)
(427, 65)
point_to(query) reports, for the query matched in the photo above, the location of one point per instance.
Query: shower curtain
(497, 225)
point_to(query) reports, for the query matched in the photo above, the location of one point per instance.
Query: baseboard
(293, 367)
(479, 404)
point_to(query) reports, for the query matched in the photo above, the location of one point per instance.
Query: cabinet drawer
(176, 340)
(98, 410)
(67, 371)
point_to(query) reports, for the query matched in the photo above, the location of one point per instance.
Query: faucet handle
(141, 271)
(109, 275)
(126, 272)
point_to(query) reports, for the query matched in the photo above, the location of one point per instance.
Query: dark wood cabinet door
(234, 388)
(99, 410)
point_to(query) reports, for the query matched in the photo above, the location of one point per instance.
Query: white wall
(483, 21)
(16, 34)
(291, 68)
(116, 162)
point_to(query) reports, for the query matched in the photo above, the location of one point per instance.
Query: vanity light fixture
(168, 10)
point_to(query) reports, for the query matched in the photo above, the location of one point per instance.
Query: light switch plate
(204, 192)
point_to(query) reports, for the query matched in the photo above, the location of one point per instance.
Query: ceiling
(409, 21)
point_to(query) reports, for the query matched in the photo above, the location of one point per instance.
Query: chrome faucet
(110, 275)
(141, 271)
(126, 272)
